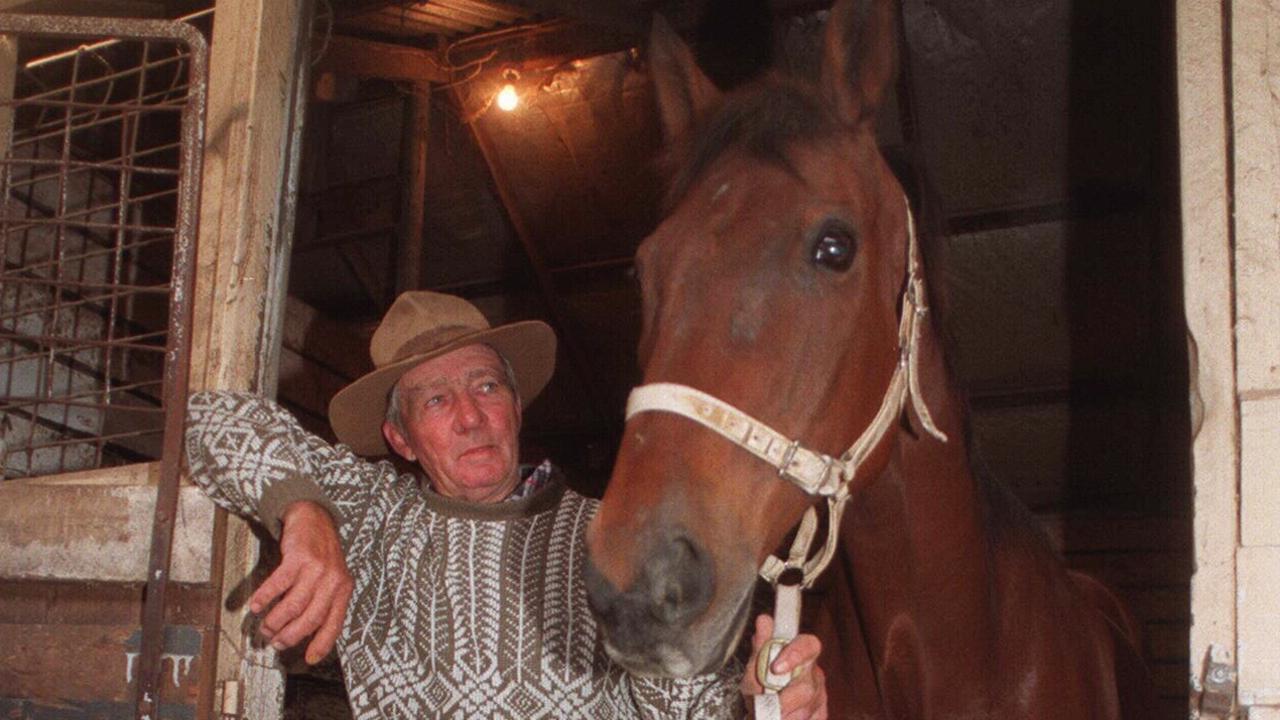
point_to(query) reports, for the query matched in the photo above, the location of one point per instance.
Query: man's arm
(252, 458)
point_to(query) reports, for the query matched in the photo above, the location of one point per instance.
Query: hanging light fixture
(508, 99)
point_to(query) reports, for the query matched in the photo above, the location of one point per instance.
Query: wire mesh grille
(92, 184)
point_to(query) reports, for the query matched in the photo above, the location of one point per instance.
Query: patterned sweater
(459, 610)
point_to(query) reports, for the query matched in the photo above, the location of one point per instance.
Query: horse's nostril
(674, 587)
(679, 582)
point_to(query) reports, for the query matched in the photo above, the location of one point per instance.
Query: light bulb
(507, 98)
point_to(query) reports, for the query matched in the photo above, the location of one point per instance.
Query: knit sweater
(459, 610)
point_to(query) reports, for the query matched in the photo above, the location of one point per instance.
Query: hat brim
(357, 411)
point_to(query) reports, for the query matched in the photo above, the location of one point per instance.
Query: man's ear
(397, 442)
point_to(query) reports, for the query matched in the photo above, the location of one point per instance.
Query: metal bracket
(1215, 691)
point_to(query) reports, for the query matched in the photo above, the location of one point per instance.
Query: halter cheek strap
(816, 473)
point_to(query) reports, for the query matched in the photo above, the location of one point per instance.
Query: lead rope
(813, 472)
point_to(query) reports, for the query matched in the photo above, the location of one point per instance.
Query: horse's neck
(917, 540)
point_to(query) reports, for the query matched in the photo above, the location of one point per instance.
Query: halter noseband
(817, 474)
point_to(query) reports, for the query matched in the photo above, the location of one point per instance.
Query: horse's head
(774, 284)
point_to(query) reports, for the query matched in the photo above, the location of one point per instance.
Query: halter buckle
(787, 457)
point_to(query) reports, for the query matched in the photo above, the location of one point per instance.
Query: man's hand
(311, 587)
(805, 697)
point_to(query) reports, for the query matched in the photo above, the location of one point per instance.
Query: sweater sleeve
(714, 696)
(254, 459)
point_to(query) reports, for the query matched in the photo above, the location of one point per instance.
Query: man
(466, 597)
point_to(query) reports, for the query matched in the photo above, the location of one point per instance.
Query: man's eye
(434, 400)
(489, 387)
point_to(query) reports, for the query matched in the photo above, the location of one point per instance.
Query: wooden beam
(92, 8)
(354, 57)
(414, 141)
(8, 76)
(627, 18)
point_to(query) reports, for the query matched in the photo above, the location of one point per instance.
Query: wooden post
(259, 56)
(413, 148)
(1255, 110)
(1208, 298)
(8, 75)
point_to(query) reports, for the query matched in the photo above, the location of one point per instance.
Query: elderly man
(466, 596)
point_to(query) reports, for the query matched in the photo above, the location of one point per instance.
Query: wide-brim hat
(419, 326)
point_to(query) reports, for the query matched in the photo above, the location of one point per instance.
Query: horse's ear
(684, 92)
(860, 56)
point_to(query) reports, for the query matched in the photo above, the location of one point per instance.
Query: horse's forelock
(763, 121)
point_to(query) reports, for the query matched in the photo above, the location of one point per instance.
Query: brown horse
(778, 284)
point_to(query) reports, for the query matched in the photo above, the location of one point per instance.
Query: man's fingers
(306, 622)
(276, 584)
(797, 700)
(750, 684)
(798, 653)
(806, 697)
(764, 630)
(325, 637)
(289, 608)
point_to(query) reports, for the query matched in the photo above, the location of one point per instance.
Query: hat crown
(421, 321)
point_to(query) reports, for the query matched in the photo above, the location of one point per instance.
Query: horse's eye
(834, 249)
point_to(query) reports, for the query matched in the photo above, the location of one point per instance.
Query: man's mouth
(474, 452)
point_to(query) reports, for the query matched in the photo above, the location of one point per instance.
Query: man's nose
(468, 413)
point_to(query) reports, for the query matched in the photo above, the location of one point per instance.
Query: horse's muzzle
(645, 626)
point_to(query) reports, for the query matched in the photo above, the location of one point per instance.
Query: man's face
(461, 422)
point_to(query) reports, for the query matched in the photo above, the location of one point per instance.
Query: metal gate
(101, 135)
(100, 181)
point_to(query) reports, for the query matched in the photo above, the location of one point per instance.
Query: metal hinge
(230, 700)
(1214, 692)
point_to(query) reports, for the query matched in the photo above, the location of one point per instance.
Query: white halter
(813, 472)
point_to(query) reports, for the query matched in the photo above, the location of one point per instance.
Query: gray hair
(395, 414)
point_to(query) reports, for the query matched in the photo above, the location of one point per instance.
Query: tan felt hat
(422, 325)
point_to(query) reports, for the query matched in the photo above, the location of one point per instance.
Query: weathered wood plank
(57, 602)
(336, 346)
(1095, 531)
(1255, 96)
(1206, 267)
(1259, 460)
(1012, 289)
(1259, 599)
(79, 665)
(354, 57)
(1027, 446)
(97, 532)
(306, 384)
